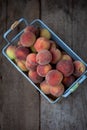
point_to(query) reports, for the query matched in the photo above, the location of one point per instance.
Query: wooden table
(21, 105)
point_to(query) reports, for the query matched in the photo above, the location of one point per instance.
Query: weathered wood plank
(19, 100)
(68, 20)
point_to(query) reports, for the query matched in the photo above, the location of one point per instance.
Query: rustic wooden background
(21, 105)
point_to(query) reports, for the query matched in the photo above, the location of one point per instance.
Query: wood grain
(68, 20)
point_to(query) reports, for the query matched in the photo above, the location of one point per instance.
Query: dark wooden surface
(21, 105)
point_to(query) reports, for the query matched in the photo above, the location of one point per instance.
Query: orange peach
(10, 51)
(45, 87)
(66, 67)
(43, 57)
(57, 90)
(79, 68)
(41, 43)
(54, 77)
(42, 70)
(21, 65)
(34, 76)
(21, 52)
(56, 55)
(27, 39)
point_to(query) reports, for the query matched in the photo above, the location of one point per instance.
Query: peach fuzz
(34, 76)
(67, 81)
(41, 43)
(54, 77)
(10, 51)
(31, 58)
(65, 67)
(45, 87)
(43, 57)
(56, 55)
(57, 90)
(21, 52)
(79, 68)
(27, 39)
(42, 70)
(45, 33)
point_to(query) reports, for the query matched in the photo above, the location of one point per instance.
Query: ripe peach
(54, 77)
(42, 70)
(57, 90)
(32, 29)
(44, 57)
(27, 39)
(79, 68)
(66, 67)
(66, 57)
(31, 58)
(41, 43)
(45, 33)
(34, 76)
(56, 55)
(45, 87)
(21, 65)
(30, 66)
(21, 52)
(67, 81)
(10, 51)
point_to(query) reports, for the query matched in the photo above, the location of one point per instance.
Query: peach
(67, 81)
(10, 51)
(21, 52)
(32, 29)
(30, 66)
(45, 33)
(79, 68)
(66, 67)
(66, 57)
(41, 43)
(21, 65)
(44, 57)
(42, 70)
(52, 44)
(34, 76)
(54, 77)
(56, 55)
(57, 90)
(31, 58)
(33, 49)
(45, 87)
(27, 39)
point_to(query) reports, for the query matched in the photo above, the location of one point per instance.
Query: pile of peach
(45, 63)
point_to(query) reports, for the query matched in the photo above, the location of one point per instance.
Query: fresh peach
(79, 68)
(57, 90)
(54, 77)
(66, 67)
(67, 81)
(43, 57)
(45, 87)
(66, 57)
(42, 70)
(56, 55)
(27, 39)
(52, 44)
(41, 43)
(10, 51)
(31, 58)
(21, 52)
(34, 76)
(21, 65)
(30, 66)
(33, 29)
(45, 33)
